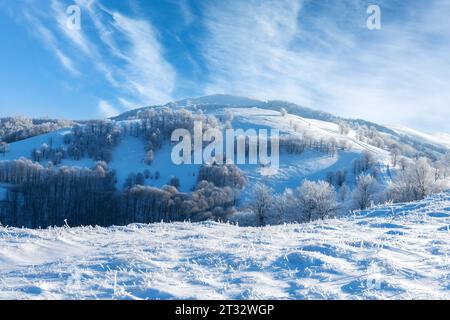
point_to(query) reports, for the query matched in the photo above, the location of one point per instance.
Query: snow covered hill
(437, 139)
(392, 252)
(135, 150)
(128, 156)
(310, 165)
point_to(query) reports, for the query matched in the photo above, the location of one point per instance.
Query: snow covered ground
(294, 169)
(23, 148)
(262, 118)
(129, 157)
(393, 252)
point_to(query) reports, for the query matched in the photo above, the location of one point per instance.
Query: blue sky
(320, 54)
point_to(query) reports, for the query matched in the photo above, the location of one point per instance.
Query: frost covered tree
(262, 203)
(317, 200)
(366, 162)
(337, 178)
(96, 140)
(416, 182)
(343, 128)
(286, 208)
(295, 144)
(365, 191)
(213, 202)
(149, 157)
(395, 155)
(443, 166)
(19, 128)
(229, 116)
(222, 175)
(344, 193)
(212, 121)
(50, 195)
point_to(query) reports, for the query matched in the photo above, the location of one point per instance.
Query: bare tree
(443, 166)
(262, 202)
(364, 194)
(416, 182)
(395, 155)
(149, 157)
(317, 200)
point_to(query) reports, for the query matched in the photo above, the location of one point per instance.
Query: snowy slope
(294, 169)
(393, 252)
(293, 124)
(310, 165)
(437, 139)
(443, 138)
(23, 148)
(129, 156)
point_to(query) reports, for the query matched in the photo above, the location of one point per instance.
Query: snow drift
(391, 252)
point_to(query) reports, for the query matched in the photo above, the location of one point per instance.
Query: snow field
(392, 252)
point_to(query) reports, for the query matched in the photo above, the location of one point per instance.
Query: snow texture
(391, 252)
(129, 156)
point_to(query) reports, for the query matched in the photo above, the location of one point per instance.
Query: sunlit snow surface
(394, 252)
(128, 156)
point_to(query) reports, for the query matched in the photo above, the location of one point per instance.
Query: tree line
(19, 128)
(314, 200)
(42, 197)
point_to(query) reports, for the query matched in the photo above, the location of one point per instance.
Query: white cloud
(248, 49)
(146, 73)
(273, 49)
(280, 50)
(66, 62)
(83, 44)
(106, 110)
(186, 11)
(141, 70)
(128, 104)
(74, 35)
(135, 68)
(50, 42)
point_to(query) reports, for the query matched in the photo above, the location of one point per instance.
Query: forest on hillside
(41, 192)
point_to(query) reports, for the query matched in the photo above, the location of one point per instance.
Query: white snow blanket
(394, 252)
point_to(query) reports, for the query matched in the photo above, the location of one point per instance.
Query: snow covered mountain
(437, 139)
(136, 147)
(248, 113)
(119, 172)
(391, 252)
